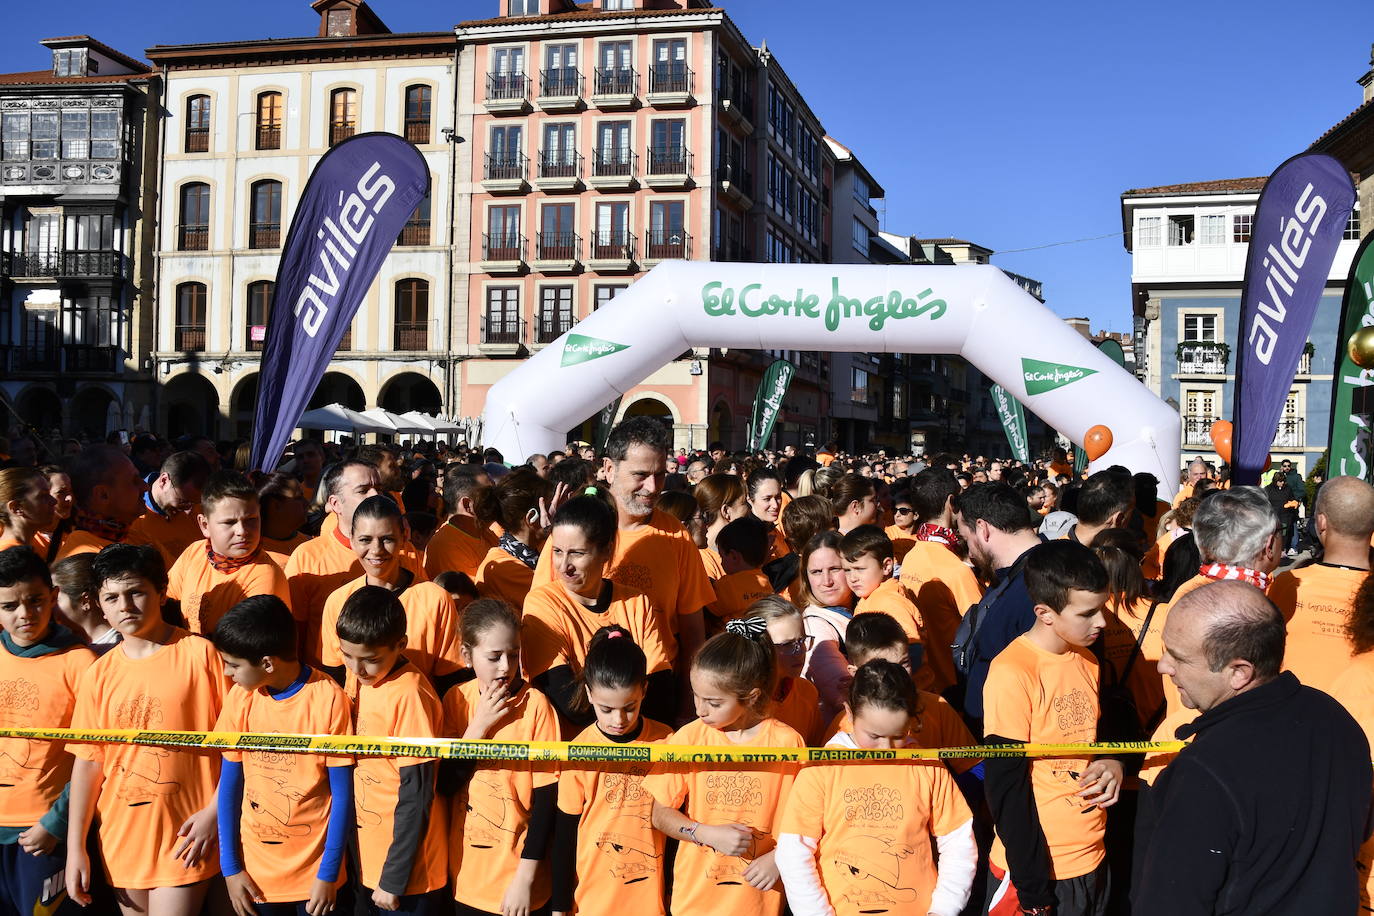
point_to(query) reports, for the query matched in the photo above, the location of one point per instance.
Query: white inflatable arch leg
(974, 311)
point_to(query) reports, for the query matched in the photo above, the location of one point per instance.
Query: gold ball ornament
(1361, 347)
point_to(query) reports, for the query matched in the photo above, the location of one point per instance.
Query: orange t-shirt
(37, 692)
(286, 797)
(1152, 566)
(660, 559)
(797, 704)
(149, 792)
(1037, 696)
(943, 588)
(489, 818)
(490, 535)
(874, 823)
(1354, 689)
(557, 629)
(1119, 641)
(704, 881)
(1317, 601)
(206, 594)
(503, 576)
(402, 703)
(317, 568)
(711, 561)
(891, 599)
(431, 628)
(941, 726)
(735, 592)
(824, 459)
(901, 542)
(619, 853)
(175, 533)
(280, 551)
(453, 549)
(1184, 491)
(778, 546)
(86, 542)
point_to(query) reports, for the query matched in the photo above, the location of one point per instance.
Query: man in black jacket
(1264, 812)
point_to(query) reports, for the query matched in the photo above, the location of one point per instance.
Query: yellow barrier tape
(564, 751)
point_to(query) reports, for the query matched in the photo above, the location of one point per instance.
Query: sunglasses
(903, 510)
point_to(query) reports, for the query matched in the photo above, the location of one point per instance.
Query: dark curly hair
(1361, 626)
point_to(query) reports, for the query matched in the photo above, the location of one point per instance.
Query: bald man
(1265, 810)
(1316, 599)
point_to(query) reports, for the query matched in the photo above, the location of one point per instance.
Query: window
(859, 392)
(1212, 229)
(339, 23)
(69, 62)
(91, 232)
(614, 75)
(669, 73)
(613, 154)
(559, 156)
(259, 310)
(507, 77)
(667, 147)
(269, 120)
(1201, 327)
(1352, 225)
(264, 220)
(861, 238)
(418, 99)
(617, 4)
(668, 237)
(1181, 229)
(412, 315)
(504, 157)
(1242, 224)
(555, 312)
(198, 124)
(70, 134)
(524, 7)
(557, 233)
(861, 191)
(14, 136)
(501, 324)
(560, 71)
(343, 115)
(194, 231)
(190, 330)
(612, 231)
(603, 293)
(416, 229)
(503, 234)
(76, 133)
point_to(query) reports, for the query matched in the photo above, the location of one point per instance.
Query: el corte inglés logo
(582, 349)
(1042, 376)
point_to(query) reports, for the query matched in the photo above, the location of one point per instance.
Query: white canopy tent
(341, 419)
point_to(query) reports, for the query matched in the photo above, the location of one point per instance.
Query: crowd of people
(641, 593)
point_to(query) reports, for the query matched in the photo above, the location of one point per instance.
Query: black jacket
(1263, 814)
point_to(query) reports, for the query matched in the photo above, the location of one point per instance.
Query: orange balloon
(1221, 439)
(1097, 441)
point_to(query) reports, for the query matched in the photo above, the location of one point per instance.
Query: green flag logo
(1042, 376)
(580, 349)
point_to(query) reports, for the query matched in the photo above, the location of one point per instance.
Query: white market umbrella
(341, 419)
(398, 422)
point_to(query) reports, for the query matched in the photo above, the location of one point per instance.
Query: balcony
(414, 232)
(197, 139)
(501, 334)
(613, 169)
(269, 137)
(553, 324)
(665, 244)
(80, 176)
(1202, 358)
(560, 89)
(340, 132)
(1197, 431)
(557, 252)
(507, 93)
(612, 251)
(190, 338)
(84, 358)
(614, 89)
(669, 167)
(264, 235)
(736, 184)
(559, 170)
(730, 251)
(1290, 434)
(417, 130)
(193, 238)
(670, 84)
(411, 336)
(739, 111)
(36, 356)
(506, 173)
(503, 253)
(61, 264)
(1305, 363)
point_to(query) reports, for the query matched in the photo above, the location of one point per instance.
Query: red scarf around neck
(224, 564)
(937, 534)
(106, 528)
(1224, 572)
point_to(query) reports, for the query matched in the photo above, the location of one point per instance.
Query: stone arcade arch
(974, 311)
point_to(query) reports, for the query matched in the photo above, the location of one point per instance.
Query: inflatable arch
(975, 311)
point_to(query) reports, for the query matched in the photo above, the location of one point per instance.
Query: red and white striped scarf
(1224, 572)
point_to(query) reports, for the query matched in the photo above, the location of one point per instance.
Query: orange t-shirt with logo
(557, 629)
(402, 703)
(175, 533)
(432, 641)
(874, 824)
(734, 594)
(37, 692)
(87, 542)
(149, 792)
(943, 588)
(280, 551)
(797, 704)
(286, 797)
(503, 576)
(1317, 601)
(902, 541)
(489, 819)
(206, 594)
(1354, 689)
(704, 881)
(619, 853)
(941, 726)
(453, 550)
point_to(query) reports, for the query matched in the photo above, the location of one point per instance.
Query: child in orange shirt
(401, 831)
(796, 701)
(156, 804)
(561, 617)
(743, 546)
(284, 848)
(604, 843)
(726, 814)
(502, 820)
(214, 574)
(856, 838)
(40, 665)
(868, 567)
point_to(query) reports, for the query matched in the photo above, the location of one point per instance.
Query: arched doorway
(650, 406)
(242, 405)
(337, 388)
(91, 412)
(411, 391)
(192, 406)
(41, 408)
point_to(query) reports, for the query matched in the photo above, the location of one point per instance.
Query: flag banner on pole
(1298, 225)
(768, 402)
(605, 421)
(1013, 422)
(350, 214)
(1349, 431)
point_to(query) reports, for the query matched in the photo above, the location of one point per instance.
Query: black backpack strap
(1139, 641)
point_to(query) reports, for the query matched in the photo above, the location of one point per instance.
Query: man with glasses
(172, 503)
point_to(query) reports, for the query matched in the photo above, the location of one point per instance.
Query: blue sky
(1012, 124)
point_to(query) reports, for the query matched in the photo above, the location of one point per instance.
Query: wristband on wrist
(691, 832)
